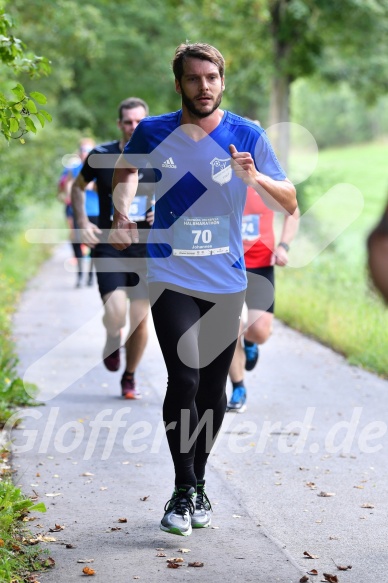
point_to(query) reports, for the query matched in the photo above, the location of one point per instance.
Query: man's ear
(178, 87)
(223, 83)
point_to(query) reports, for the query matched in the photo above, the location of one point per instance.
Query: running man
(205, 157)
(115, 269)
(260, 256)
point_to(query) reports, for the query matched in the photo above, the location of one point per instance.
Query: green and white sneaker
(202, 517)
(178, 511)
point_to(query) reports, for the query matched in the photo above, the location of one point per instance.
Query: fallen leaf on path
(304, 579)
(367, 505)
(70, 546)
(88, 571)
(176, 560)
(341, 567)
(359, 487)
(311, 485)
(144, 498)
(57, 528)
(236, 516)
(195, 564)
(29, 518)
(113, 528)
(310, 556)
(313, 572)
(173, 565)
(47, 539)
(53, 494)
(330, 578)
(49, 562)
(159, 549)
(87, 474)
(122, 520)
(103, 488)
(183, 550)
(326, 494)
(85, 561)
(161, 555)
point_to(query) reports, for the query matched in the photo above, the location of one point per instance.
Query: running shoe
(128, 387)
(237, 400)
(111, 353)
(90, 278)
(202, 517)
(251, 355)
(179, 510)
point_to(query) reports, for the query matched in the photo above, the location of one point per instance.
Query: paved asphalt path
(302, 471)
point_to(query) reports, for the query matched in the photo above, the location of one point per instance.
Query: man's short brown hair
(197, 51)
(131, 103)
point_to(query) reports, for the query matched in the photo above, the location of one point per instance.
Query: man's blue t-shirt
(195, 241)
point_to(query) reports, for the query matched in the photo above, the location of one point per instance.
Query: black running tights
(197, 334)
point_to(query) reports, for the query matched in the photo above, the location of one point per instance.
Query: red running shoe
(128, 387)
(111, 353)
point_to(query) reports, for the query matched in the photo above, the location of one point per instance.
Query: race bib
(250, 229)
(200, 236)
(138, 209)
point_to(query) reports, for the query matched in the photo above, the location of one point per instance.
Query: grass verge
(330, 298)
(20, 552)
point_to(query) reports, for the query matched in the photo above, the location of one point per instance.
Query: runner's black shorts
(121, 269)
(260, 294)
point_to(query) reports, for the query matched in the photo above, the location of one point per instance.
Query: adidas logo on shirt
(169, 163)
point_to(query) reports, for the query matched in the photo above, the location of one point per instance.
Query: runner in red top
(260, 254)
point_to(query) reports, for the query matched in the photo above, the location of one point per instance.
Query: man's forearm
(78, 204)
(124, 187)
(278, 195)
(290, 227)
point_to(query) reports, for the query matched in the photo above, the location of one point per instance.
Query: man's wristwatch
(284, 245)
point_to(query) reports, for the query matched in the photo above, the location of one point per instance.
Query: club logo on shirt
(221, 170)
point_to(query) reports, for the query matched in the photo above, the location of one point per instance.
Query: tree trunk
(280, 94)
(280, 114)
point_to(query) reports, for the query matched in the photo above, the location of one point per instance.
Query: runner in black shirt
(116, 281)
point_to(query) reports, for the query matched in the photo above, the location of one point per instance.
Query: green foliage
(17, 557)
(19, 261)
(15, 113)
(331, 297)
(32, 173)
(351, 121)
(101, 56)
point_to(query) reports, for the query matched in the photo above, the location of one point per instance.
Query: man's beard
(189, 103)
